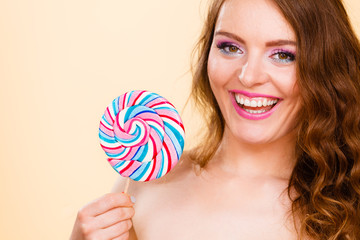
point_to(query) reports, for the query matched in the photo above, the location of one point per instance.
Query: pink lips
(252, 116)
(252, 95)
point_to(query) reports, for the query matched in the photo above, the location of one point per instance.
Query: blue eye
(282, 56)
(229, 48)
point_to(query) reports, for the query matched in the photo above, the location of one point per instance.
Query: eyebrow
(279, 42)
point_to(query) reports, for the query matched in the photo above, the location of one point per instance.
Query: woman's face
(252, 71)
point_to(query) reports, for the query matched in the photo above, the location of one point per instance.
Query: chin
(258, 136)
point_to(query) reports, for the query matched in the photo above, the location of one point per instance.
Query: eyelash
(290, 57)
(224, 48)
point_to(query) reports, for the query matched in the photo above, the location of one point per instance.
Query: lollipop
(142, 134)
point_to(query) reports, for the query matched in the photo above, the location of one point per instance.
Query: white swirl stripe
(142, 134)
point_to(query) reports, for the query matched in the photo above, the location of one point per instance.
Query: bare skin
(108, 217)
(242, 191)
(208, 204)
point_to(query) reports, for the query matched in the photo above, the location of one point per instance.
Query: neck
(274, 159)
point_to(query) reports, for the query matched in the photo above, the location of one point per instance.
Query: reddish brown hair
(327, 172)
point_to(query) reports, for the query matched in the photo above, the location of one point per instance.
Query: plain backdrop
(61, 63)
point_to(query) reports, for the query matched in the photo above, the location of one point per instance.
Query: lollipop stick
(127, 185)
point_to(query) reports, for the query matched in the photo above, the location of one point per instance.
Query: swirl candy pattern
(143, 135)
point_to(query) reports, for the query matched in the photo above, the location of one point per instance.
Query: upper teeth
(263, 102)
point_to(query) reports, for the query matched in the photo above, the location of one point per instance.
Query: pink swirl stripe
(143, 135)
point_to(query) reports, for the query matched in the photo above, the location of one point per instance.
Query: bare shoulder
(183, 170)
(157, 197)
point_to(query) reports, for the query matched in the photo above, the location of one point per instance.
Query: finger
(124, 236)
(106, 203)
(113, 216)
(116, 230)
(130, 235)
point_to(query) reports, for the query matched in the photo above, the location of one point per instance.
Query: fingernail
(133, 199)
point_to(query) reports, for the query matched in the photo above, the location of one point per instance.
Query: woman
(278, 81)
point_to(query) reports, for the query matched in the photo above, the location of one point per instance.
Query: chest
(200, 213)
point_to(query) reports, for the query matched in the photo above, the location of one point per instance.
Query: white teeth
(237, 97)
(265, 103)
(253, 103)
(255, 111)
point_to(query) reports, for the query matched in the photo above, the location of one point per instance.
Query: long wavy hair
(326, 176)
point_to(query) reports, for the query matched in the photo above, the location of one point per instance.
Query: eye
(229, 48)
(232, 49)
(283, 56)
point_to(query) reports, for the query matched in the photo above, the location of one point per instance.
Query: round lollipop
(143, 135)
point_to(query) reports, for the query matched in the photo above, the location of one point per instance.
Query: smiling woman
(243, 67)
(310, 74)
(278, 82)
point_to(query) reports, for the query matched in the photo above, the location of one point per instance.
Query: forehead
(256, 19)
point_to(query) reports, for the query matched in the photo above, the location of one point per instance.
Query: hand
(108, 217)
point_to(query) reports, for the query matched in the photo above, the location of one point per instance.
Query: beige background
(61, 63)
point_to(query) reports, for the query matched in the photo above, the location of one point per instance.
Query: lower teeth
(255, 111)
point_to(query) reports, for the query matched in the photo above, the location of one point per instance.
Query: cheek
(217, 77)
(218, 70)
(212, 68)
(296, 99)
(293, 89)
(292, 97)
(286, 83)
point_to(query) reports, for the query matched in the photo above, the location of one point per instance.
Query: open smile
(254, 106)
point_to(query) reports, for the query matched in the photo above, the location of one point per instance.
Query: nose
(253, 73)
